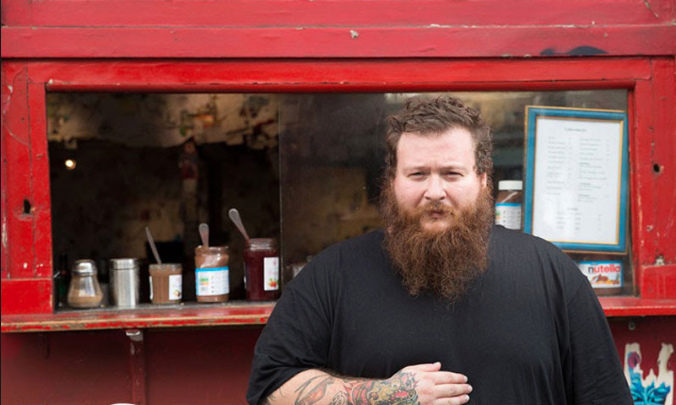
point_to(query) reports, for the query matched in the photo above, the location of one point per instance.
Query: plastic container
(212, 274)
(508, 204)
(166, 283)
(261, 269)
(84, 290)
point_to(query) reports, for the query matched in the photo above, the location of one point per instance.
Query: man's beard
(443, 262)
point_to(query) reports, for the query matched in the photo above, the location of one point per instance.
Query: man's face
(435, 174)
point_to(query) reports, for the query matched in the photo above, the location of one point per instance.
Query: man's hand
(421, 384)
(432, 386)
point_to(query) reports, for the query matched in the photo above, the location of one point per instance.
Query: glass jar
(84, 290)
(166, 283)
(212, 274)
(261, 269)
(508, 204)
(605, 272)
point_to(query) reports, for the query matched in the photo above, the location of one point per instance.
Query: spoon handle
(204, 234)
(151, 241)
(234, 216)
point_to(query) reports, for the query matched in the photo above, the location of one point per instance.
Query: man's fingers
(452, 390)
(447, 377)
(463, 399)
(429, 367)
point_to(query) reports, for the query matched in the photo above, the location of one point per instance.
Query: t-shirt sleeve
(297, 335)
(594, 370)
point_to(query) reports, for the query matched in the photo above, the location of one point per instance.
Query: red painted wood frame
(338, 28)
(26, 217)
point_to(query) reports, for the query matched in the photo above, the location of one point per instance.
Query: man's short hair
(435, 116)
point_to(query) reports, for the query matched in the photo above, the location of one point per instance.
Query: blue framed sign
(577, 165)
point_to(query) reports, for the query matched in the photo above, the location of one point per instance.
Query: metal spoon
(204, 234)
(151, 241)
(234, 216)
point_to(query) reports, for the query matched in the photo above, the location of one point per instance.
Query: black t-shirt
(530, 331)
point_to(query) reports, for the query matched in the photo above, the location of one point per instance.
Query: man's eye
(453, 174)
(416, 174)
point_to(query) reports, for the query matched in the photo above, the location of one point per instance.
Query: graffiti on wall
(653, 388)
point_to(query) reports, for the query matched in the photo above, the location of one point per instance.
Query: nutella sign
(602, 274)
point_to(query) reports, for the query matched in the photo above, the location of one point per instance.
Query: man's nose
(435, 189)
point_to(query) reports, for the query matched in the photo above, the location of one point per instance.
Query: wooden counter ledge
(234, 313)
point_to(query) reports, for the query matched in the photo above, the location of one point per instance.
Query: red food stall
(202, 354)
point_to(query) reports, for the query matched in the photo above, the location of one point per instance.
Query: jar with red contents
(261, 269)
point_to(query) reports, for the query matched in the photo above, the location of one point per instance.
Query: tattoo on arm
(397, 390)
(315, 393)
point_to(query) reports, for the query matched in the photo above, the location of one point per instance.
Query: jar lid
(84, 268)
(510, 185)
(124, 264)
(165, 267)
(261, 243)
(211, 250)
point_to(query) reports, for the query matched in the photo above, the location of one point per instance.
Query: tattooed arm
(422, 384)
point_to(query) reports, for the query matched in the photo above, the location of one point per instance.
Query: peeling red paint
(147, 317)
(373, 42)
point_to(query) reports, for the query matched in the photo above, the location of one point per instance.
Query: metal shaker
(124, 282)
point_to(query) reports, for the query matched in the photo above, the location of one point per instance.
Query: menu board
(576, 184)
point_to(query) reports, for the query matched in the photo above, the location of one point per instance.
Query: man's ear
(484, 180)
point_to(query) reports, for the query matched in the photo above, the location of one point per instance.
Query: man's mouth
(436, 214)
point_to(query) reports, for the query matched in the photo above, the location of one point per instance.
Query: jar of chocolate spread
(166, 283)
(508, 204)
(212, 274)
(261, 269)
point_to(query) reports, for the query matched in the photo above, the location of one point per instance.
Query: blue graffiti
(649, 395)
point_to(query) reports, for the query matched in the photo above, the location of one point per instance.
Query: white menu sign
(577, 180)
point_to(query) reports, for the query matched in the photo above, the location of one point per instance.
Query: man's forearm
(315, 387)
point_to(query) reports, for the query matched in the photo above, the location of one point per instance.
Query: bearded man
(440, 307)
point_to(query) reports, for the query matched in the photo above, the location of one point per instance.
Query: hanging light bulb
(70, 164)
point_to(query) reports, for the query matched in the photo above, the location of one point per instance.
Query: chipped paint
(647, 4)
(659, 261)
(16, 138)
(354, 34)
(4, 233)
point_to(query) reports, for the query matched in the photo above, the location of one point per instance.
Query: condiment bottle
(212, 275)
(166, 283)
(124, 282)
(84, 290)
(508, 204)
(261, 269)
